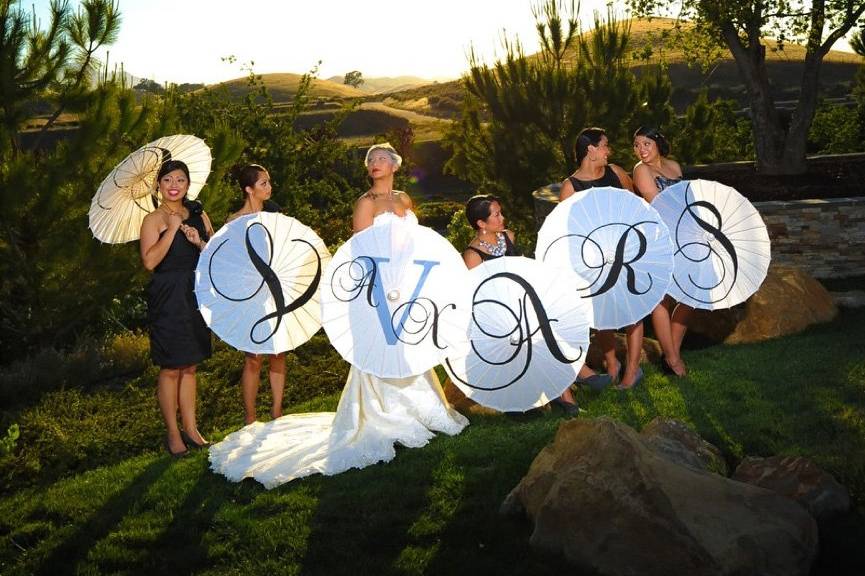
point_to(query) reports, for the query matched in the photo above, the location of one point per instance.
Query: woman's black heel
(187, 439)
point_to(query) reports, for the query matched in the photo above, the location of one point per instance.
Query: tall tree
(743, 28)
(54, 64)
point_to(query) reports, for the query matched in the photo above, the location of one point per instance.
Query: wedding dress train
(373, 414)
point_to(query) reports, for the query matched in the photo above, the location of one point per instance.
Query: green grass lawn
(434, 510)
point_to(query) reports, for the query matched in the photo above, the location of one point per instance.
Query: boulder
(788, 301)
(799, 479)
(676, 442)
(599, 496)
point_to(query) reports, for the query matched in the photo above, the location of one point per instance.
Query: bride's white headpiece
(387, 148)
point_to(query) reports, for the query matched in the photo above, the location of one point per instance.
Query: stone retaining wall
(826, 238)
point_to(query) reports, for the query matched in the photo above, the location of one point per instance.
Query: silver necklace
(497, 249)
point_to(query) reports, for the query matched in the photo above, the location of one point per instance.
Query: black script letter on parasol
(616, 262)
(522, 332)
(269, 278)
(710, 252)
(417, 317)
(421, 325)
(362, 272)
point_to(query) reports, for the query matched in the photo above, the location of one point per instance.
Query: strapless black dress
(178, 333)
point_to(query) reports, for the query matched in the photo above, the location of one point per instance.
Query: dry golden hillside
(282, 87)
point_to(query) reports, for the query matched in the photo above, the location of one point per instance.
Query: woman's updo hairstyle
(587, 137)
(247, 176)
(478, 208)
(654, 134)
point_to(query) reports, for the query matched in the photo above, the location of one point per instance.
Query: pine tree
(522, 114)
(51, 66)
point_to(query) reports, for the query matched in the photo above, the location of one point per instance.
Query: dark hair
(654, 134)
(171, 166)
(247, 176)
(478, 208)
(587, 137)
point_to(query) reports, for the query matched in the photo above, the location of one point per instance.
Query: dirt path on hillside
(413, 117)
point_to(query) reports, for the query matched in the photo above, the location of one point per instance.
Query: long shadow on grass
(179, 550)
(493, 456)
(363, 517)
(65, 558)
(785, 395)
(433, 510)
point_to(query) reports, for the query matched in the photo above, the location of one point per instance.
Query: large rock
(611, 505)
(788, 302)
(799, 479)
(675, 441)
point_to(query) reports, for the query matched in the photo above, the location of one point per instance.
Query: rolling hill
(785, 68)
(282, 87)
(443, 99)
(384, 85)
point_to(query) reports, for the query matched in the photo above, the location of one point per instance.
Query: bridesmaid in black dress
(492, 239)
(593, 171)
(172, 236)
(652, 174)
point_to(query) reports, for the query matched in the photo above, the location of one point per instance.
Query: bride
(373, 413)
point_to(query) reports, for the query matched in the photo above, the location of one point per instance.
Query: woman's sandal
(669, 369)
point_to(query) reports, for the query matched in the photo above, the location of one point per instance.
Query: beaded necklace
(497, 249)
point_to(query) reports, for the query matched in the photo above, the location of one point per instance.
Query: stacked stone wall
(824, 237)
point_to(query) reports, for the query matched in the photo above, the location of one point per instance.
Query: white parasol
(528, 335)
(394, 300)
(257, 283)
(722, 248)
(618, 246)
(129, 192)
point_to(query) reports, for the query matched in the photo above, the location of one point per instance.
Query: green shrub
(459, 232)
(88, 364)
(7, 443)
(437, 215)
(835, 130)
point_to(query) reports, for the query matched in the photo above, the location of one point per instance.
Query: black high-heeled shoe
(180, 454)
(667, 368)
(569, 408)
(187, 439)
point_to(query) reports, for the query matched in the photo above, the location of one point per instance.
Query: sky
(185, 40)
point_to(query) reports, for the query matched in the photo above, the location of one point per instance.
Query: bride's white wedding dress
(373, 414)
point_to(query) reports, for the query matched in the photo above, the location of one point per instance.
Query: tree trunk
(770, 139)
(803, 115)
